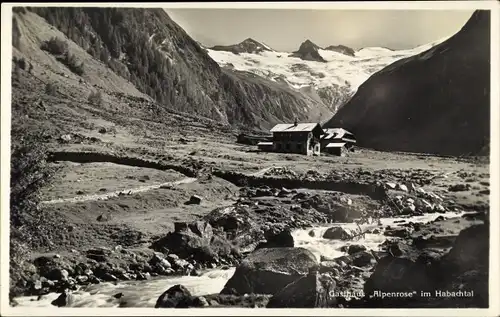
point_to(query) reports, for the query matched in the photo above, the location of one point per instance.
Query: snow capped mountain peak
(249, 45)
(341, 49)
(308, 44)
(308, 51)
(334, 73)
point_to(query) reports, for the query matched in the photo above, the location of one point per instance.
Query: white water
(331, 248)
(136, 293)
(145, 293)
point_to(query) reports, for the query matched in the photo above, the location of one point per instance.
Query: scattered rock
(64, 300)
(420, 190)
(281, 240)
(199, 301)
(355, 248)
(402, 187)
(391, 185)
(102, 130)
(394, 249)
(65, 138)
(439, 208)
(263, 192)
(103, 218)
(329, 266)
(362, 258)
(144, 178)
(397, 232)
(158, 259)
(37, 285)
(99, 254)
(459, 187)
(108, 277)
(194, 200)
(58, 275)
(336, 233)
(284, 192)
(143, 276)
(172, 257)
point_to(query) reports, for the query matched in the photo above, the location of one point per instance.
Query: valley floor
(115, 203)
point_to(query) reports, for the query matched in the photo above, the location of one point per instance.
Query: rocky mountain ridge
(435, 102)
(330, 75)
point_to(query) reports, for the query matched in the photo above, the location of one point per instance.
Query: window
(299, 146)
(287, 146)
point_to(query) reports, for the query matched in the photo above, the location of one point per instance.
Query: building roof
(300, 127)
(332, 145)
(336, 133)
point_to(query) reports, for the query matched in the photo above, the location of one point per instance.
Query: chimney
(295, 122)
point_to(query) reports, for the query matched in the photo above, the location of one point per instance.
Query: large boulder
(282, 239)
(312, 291)
(415, 270)
(395, 274)
(363, 258)
(267, 271)
(176, 296)
(64, 300)
(355, 248)
(194, 200)
(196, 240)
(234, 221)
(470, 249)
(336, 233)
(336, 209)
(467, 267)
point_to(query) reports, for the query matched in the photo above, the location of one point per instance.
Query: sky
(285, 30)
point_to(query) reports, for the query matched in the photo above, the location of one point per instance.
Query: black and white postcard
(250, 158)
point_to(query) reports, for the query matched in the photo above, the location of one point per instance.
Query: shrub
(21, 62)
(72, 62)
(55, 46)
(59, 48)
(95, 98)
(29, 173)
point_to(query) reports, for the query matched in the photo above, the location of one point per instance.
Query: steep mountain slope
(436, 102)
(333, 73)
(147, 48)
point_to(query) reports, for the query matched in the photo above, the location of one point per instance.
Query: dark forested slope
(146, 47)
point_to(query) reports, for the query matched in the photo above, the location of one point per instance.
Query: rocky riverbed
(280, 247)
